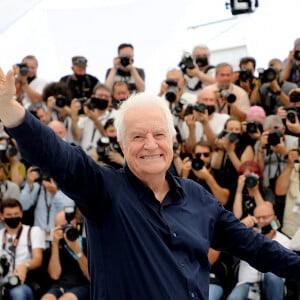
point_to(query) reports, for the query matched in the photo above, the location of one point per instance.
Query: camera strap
(70, 251)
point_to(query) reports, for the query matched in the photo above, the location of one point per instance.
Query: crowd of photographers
(237, 135)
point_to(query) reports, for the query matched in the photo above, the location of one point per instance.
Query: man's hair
(143, 100)
(247, 59)
(10, 202)
(202, 143)
(55, 89)
(30, 57)
(125, 45)
(101, 86)
(118, 83)
(201, 46)
(222, 65)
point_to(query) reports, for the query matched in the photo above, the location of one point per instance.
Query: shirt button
(174, 234)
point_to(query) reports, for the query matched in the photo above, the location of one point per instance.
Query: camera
(172, 90)
(229, 97)
(253, 126)
(93, 103)
(274, 138)
(297, 55)
(186, 62)
(42, 175)
(124, 60)
(200, 107)
(82, 101)
(4, 266)
(267, 75)
(197, 162)
(291, 113)
(273, 225)
(104, 146)
(8, 150)
(71, 232)
(13, 281)
(24, 70)
(189, 110)
(61, 101)
(251, 180)
(295, 95)
(245, 75)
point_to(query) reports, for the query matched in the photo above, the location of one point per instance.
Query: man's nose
(150, 142)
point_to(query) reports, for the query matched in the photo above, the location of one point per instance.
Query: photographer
(273, 91)
(68, 265)
(120, 92)
(42, 197)
(203, 123)
(30, 85)
(124, 70)
(202, 73)
(252, 284)
(14, 170)
(291, 68)
(88, 128)
(22, 248)
(199, 169)
(231, 99)
(108, 150)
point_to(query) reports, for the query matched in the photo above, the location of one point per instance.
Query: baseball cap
(79, 61)
(256, 113)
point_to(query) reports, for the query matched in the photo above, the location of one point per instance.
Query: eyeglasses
(263, 217)
(205, 154)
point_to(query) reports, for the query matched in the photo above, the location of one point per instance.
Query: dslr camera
(186, 62)
(232, 136)
(253, 126)
(267, 75)
(273, 225)
(61, 101)
(251, 180)
(274, 138)
(245, 75)
(295, 95)
(71, 232)
(23, 69)
(42, 175)
(291, 113)
(229, 97)
(124, 60)
(172, 90)
(197, 162)
(104, 146)
(7, 151)
(297, 55)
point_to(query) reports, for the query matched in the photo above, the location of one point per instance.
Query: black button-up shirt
(139, 248)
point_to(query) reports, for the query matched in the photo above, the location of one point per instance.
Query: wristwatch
(79, 254)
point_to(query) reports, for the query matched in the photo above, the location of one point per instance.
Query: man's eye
(138, 138)
(159, 135)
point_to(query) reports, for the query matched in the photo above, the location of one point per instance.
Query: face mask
(210, 109)
(202, 61)
(12, 222)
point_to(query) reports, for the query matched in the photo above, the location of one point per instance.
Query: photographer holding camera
(23, 248)
(68, 267)
(231, 99)
(13, 168)
(88, 128)
(291, 68)
(30, 86)
(273, 91)
(124, 70)
(203, 123)
(252, 284)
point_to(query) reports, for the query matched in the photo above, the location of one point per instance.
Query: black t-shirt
(80, 88)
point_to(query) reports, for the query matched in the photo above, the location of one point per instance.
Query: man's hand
(7, 87)
(50, 186)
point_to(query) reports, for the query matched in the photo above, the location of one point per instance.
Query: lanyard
(12, 248)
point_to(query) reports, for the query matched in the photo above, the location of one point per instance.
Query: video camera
(104, 146)
(171, 93)
(71, 232)
(267, 75)
(229, 97)
(23, 69)
(186, 62)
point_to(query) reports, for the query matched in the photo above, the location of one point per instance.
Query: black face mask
(202, 61)
(12, 222)
(210, 109)
(80, 77)
(102, 104)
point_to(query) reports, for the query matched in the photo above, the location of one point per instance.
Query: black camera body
(71, 232)
(124, 60)
(104, 146)
(273, 225)
(291, 113)
(24, 70)
(42, 175)
(295, 95)
(297, 55)
(186, 63)
(253, 126)
(267, 75)
(197, 162)
(274, 138)
(245, 75)
(229, 97)
(200, 107)
(251, 180)
(171, 92)
(8, 150)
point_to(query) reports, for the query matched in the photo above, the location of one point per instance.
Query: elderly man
(148, 231)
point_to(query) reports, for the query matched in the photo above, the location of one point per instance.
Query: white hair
(142, 100)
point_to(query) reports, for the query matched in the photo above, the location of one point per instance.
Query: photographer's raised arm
(12, 113)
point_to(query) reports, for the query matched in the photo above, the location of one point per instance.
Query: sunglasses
(205, 154)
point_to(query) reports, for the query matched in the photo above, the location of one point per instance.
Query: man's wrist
(79, 254)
